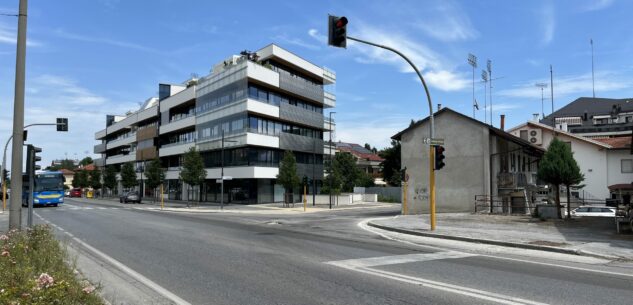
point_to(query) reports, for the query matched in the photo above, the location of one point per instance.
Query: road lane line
(129, 271)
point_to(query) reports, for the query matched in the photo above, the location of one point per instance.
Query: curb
(493, 242)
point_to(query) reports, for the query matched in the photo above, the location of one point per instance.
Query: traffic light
(305, 180)
(439, 157)
(5, 175)
(62, 124)
(337, 31)
(32, 158)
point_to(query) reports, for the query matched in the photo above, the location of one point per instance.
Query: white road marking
(137, 276)
(363, 225)
(100, 208)
(398, 259)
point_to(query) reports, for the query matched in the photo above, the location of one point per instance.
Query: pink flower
(45, 281)
(89, 289)
(5, 253)
(4, 237)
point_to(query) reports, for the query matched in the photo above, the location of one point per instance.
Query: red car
(75, 193)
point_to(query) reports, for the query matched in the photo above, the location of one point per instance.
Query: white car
(599, 211)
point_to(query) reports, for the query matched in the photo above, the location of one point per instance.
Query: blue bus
(49, 189)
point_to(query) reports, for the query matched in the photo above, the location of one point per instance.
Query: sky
(86, 59)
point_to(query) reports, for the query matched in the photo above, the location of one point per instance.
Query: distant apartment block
(594, 117)
(265, 103)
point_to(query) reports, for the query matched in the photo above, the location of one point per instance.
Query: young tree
(95, 180)
(155, 175)
(109, 177)
(192, 172)
(392, 164)
(559, 167)
(344, 165)
(287, 176)
(128, 176)
(76, 177)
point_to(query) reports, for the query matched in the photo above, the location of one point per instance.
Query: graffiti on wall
(421, 193)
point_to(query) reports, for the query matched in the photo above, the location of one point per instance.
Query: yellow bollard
(162, 202)
(432, 191)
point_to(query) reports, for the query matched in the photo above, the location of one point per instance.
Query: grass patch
(33, 270)
(382, 198)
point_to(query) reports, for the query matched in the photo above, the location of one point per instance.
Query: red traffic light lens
(341, 22)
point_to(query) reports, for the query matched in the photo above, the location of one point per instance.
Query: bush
(33, 270)
(382, 198)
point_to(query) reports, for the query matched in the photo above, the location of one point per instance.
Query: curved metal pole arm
(426, 88)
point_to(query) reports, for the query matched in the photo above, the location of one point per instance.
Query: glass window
(627, 165)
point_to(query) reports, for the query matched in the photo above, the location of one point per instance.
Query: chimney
(503, 121)
(439, 107)
(535, 116)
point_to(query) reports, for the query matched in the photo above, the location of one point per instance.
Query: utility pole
(593, 82)
(15, 216)
(542, 86)
(551, 79)
(330, 165)
(484, 79)
(489, 66)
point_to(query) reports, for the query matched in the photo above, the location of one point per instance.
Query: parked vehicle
(594, 211)
(76, 192)
(132, 196)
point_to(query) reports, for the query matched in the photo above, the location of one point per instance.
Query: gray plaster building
(483, 164)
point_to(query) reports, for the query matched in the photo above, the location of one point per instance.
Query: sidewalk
(264, 208)
(591, 236)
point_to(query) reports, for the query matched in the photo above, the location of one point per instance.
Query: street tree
(287, 176)
(85, 161)
(344, 165)
(192, 172)
(392, 163)
(76, 178)
(128, 176)
(109, 178)
(155, 175)
(94, 180)
(559, 167)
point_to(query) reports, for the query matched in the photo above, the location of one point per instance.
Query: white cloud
(428, 61)
(570, 85)
(447, 22)
(51, 96)
(112, 42)
(296, 41)
(597, 5)
(9, 35)
(548, 24)
(370, 128)
(314, 33)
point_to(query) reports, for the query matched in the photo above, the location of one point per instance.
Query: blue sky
(87, 59)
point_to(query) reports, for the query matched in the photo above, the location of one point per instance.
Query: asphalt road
(319, 258)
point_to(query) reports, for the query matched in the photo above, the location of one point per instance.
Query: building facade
(253, 107)
(366, 160)
(487, 169)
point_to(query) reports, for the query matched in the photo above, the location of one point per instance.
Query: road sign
(433, 141)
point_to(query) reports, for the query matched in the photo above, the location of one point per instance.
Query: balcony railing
(516, 180)
(301, 87)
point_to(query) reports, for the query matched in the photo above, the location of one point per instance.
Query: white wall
(615, 175)
(592, 161)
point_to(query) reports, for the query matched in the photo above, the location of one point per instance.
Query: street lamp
(222, 170)
(472, 60)
(330, 165)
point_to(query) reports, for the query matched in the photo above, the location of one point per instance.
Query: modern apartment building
(262, 104)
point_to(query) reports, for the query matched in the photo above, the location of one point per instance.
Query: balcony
(147, 153)
(300, 115)
(100, 148)
(177, 148)
(329, 99)
(329, 124)
(288, 141)
(99, 135)
(301, 87)
(147, 133)
(121, 142)
(121, 158)
(516, 180)
(179, 124)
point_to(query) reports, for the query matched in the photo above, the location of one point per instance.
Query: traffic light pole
(432, 131)
(30, 155)
(4, 160)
